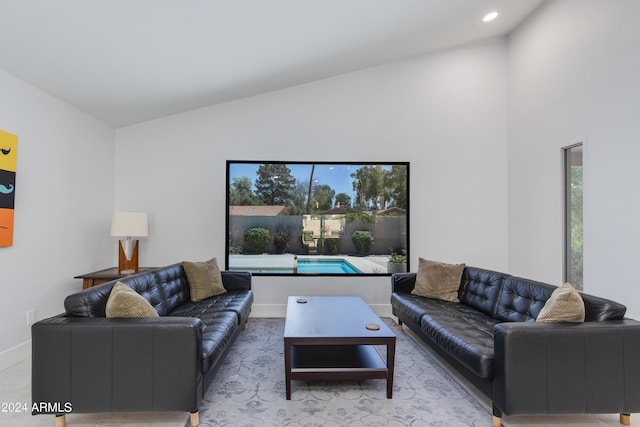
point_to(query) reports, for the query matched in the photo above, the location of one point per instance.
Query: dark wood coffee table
(326, 338)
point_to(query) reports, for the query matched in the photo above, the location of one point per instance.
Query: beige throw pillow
(438, 280)
(564, 305)
(125, 302)
(205, 279)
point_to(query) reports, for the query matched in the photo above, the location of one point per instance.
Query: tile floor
(15, 386)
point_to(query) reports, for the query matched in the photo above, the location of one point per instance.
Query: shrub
(397, 262)
(257, 238)
(235, 248)
(362, 240)
(398, 258)
(280, 238)
(332, 246)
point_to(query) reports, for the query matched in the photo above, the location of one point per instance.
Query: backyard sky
(337, 176)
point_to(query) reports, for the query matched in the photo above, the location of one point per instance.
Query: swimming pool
(326, 266)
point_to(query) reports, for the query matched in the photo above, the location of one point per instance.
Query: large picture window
(322, 218)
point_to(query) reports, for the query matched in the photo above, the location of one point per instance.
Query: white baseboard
(15, 354)
(280, 310)
(268, 310)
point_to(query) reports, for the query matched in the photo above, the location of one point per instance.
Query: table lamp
(128, 225)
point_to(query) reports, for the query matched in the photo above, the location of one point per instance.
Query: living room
(483, 125)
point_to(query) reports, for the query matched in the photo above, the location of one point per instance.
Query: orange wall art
(8, 150)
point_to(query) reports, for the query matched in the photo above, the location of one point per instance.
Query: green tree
(274, 184)
(396, 183)
(323, 195)
(368, 184)
(298, 201)
(380, 188)
(343, 199)
(241, 192)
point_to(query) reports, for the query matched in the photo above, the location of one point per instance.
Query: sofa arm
(554, 368)
(116, 365)
(403, 282)
(236, 280)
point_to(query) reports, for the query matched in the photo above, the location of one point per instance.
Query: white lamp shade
(129, 224)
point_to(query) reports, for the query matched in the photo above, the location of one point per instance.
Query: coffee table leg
(391, 357)
(287, 368)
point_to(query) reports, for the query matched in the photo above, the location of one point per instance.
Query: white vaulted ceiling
(127, 61)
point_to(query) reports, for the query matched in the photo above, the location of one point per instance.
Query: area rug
(249, 390)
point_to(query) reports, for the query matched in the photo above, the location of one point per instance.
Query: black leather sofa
(84, 362)
(528, 367)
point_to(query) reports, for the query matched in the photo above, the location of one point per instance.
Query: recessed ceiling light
(490, 17)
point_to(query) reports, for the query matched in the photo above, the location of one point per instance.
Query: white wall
(444, 112)
(63, 202)
(573, 72)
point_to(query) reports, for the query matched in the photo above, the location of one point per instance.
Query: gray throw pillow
(125, 302)
(564, 305)
(205, 279)
(438, 280)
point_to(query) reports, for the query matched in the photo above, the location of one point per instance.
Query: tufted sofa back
(480, 289)
(515, 299)
(92, 302)
(521, 299)
(173, 283)
(165, 288)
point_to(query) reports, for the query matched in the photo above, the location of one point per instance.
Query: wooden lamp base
(127, 266)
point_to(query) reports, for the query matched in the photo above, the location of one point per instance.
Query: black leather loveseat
(524, 366)
(85, 362)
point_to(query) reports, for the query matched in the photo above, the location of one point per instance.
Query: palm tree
(313, 167)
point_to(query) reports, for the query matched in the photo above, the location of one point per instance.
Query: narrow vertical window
(573, 215)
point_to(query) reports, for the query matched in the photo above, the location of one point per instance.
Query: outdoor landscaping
(279, 213)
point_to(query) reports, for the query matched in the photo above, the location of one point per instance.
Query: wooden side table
(106, 275)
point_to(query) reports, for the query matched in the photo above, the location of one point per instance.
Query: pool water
(336, 266)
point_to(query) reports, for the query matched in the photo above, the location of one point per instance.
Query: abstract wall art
(8, 151)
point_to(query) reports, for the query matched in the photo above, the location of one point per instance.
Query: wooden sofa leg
(625, 419)
(194, 418)
(497, 417)
(246, 325)
(61, 421)
(400, 325)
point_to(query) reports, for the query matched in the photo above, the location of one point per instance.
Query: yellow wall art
(8, 152)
